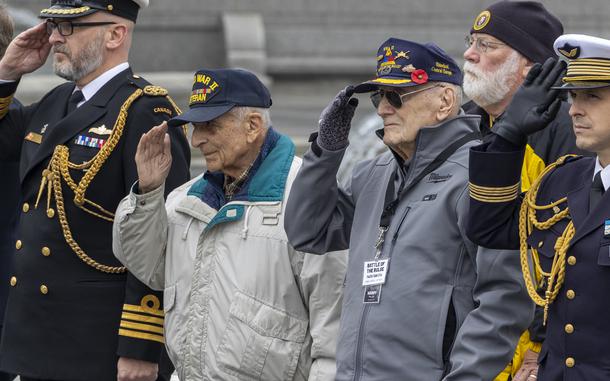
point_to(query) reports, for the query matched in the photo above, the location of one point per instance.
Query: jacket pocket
(260, 342)
(603, 258)
(446, 323)
(172, 327)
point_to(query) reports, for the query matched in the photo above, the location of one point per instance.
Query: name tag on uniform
(372, 294)
(606, 228)
(375, 272)
(34, 137)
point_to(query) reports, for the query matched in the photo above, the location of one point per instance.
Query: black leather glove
(335, 120)
(534, 105)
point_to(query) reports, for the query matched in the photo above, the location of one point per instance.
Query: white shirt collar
(605, 173)
(93, 87)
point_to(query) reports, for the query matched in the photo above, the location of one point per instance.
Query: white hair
(241, 112)
(486, 88)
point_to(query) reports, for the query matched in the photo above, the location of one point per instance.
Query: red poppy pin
(419, 76)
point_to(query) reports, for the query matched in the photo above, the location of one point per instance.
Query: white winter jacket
(239, 301)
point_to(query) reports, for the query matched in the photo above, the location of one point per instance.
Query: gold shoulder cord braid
(59, 168)
(527, 221)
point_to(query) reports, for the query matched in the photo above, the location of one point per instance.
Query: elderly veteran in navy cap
(73, 311)
(420, 301)
(240, 302)
(562, 224)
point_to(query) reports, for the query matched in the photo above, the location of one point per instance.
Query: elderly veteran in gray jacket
(421, 302)
(239, 301)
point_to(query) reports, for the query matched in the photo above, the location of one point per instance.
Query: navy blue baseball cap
(216, 91)
(402, 63)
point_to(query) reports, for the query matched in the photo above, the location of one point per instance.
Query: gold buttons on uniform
(50, 213)
(45, 251)
(18, 244)
(570, 294)
(25, 207)
(13, 281)
(569, 328)
(110, 7)
(44, 289)
(540, 244)
(571, 260)
(570, 362)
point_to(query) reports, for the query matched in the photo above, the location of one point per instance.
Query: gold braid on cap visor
(588, 69)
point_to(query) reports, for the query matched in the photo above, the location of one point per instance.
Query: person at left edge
(440, 308)
(73, 312)
(9, 194)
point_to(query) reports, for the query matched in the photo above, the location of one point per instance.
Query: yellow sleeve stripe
(494, 194)
(142, 327)
(4, 105)
(140, 309)
(142, 318)
(141, 335)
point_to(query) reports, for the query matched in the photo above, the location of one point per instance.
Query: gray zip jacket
(448, 310)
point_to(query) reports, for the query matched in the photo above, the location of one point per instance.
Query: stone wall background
(306, 50)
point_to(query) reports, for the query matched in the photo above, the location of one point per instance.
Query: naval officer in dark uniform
(73, 312)
(562, 224)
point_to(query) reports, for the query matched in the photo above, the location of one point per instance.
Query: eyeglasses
(480, 44)
(66, 28)
(395, 99)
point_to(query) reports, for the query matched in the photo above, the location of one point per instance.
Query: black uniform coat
(576, 347)
(66, 320)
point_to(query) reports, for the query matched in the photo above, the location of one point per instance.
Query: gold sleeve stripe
(4, 105)
(141, 335)
(494, 194)
(140, 309)
(494, 191)
(492, 199)
(142, 327)
(142, 318)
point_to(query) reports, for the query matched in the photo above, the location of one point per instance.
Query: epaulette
(568, 159)
(148, 88)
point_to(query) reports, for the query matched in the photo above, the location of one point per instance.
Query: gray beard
(76, 68)
(487, 88)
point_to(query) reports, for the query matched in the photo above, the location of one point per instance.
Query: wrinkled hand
(136, 370)
(153, 158)
(335, 120)
(26, 53)
(534, 105)
(529, 367)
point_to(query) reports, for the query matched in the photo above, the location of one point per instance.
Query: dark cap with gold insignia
(526, 26)
(215, 92)
(588, 60)
(402, 63)
(78, 8)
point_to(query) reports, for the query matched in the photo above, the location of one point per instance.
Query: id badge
(607, 228)
(372, 294)
(375, 272)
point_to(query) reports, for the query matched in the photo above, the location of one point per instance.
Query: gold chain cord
(59, 167)
(527, 221)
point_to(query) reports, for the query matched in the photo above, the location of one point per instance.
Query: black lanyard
(390, 205)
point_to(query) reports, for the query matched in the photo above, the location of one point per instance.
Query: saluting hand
(26, 53)
(153, 158)
(136, 370)
(534, 105)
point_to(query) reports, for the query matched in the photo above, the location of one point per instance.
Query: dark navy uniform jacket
(577, 343)
(9, 198)
(66, 319)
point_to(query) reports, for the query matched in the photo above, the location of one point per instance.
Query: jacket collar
(431, 141)
(267, 179)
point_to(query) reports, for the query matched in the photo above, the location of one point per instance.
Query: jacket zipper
(359, 345)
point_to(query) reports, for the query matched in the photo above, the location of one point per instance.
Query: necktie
(75, 99)
(597, 191)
